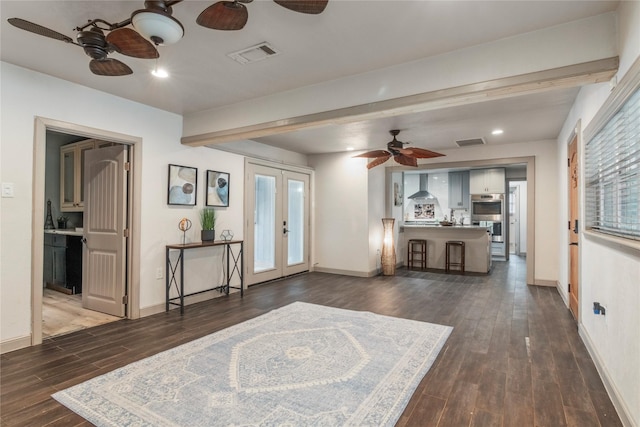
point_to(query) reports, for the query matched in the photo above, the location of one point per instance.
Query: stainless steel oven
(487, 207)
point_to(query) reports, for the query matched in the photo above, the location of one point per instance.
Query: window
(612, 173)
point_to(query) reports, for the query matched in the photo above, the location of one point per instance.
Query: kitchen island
(477, 244)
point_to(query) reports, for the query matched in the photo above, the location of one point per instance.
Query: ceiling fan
(404, 156)
(152, 26)
(96, 45)
(233, 15)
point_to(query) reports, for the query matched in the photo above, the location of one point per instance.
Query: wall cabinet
(72, 173)
(459, 190)
(487, 181)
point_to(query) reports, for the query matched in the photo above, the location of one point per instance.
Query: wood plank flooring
(514, 357)
(62, 314)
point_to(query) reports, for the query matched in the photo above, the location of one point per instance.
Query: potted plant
(208, 223)
(62, 222)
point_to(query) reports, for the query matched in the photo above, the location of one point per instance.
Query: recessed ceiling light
(160, 73)
(349, 148)
(497, 132)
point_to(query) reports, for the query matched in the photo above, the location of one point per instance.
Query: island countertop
(436, 225)
(65, 231)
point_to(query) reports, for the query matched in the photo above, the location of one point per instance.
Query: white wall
(26, 95)
(377, 211)
(341, 213)
(609, 275)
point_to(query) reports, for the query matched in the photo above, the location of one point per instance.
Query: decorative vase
(208, 235)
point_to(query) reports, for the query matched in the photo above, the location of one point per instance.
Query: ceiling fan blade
(406, 160)
(372, 154)
(129, 42)
(378, 161)
(419, 153)
(304, 6)
(39, 29)
(109, 67)
(224, 15)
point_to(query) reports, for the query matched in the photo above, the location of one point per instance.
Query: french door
(277, 232)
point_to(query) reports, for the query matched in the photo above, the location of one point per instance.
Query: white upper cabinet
(71, 174)
(487, 181)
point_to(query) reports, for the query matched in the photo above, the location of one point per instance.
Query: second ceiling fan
(395, 149)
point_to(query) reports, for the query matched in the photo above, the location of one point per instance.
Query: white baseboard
(160, 308)
(15, 344)
(563, 295)
(345, 272)
(609, 385)
(542, 282)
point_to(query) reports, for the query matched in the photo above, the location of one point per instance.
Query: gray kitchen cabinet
(487, 181)
(459, 190)
(55, 247)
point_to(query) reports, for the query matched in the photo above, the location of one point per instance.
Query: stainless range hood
(423, 193)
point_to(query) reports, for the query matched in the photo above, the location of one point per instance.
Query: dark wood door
(574, 259)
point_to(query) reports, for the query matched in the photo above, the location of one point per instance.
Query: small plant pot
(208, 235)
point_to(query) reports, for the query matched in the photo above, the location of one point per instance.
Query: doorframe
(529, 161)
(515, 238)
(286, 167)
(41, 125)
(576, 134)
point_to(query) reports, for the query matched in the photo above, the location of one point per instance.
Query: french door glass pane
(295, 236)
(265, 217)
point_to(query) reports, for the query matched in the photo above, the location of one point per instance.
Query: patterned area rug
(299, 365)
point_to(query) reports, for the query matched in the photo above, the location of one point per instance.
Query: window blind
(612, 174)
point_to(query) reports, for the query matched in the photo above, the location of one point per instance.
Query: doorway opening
(517, 217)
(60, 226)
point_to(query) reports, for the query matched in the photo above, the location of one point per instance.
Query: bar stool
(448, 263)
(417, 254)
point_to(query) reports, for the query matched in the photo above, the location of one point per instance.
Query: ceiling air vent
(470, 142)
(254, 53)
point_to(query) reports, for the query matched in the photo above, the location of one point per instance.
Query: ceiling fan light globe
(157, 26)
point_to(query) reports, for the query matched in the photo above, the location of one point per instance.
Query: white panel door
(277, 242)
(104, 267)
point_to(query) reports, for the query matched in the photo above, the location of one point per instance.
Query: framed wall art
(217, 191)
(183, 183)
(424, 211)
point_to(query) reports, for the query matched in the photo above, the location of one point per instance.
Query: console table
(237, 268)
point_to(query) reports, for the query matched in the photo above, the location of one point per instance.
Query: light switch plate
(7, 189)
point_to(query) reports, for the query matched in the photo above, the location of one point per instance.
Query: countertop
(66, 232)
(436, 225)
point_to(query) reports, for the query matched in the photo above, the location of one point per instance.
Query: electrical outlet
(159, 273)
(7, 189)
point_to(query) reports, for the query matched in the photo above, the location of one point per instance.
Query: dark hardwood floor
(514, 357)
